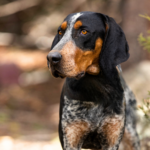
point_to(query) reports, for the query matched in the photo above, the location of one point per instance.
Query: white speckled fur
(70, 111)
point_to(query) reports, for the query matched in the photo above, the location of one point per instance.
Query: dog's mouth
(58, 73)
(80, 75)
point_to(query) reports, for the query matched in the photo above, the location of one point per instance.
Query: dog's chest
(81, 121)
(79, 118)
(76, 111)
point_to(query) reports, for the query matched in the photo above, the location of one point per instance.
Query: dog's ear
(55, 41)
(115, 49)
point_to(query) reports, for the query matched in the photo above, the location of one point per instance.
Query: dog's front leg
(73, 134)
(113, 129)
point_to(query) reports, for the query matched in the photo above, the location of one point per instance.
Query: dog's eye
(60, 32)
(84, 32)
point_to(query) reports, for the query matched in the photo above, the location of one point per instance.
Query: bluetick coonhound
(96, 106)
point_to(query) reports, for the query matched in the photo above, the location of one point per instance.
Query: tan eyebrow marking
(64, 25)
(78, 24)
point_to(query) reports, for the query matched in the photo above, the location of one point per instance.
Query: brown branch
(16, 6)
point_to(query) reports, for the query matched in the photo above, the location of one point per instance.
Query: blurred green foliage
(145, 107)
(3, 117)
(145, 43)
(145, 40)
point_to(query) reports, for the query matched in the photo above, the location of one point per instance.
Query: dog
(97, 109)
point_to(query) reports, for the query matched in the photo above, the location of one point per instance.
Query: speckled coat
(88, 123)
(96, 106)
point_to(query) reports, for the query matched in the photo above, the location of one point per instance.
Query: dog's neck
(95, 89)
(95, 81)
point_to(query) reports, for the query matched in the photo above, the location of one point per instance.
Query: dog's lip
(80, 75)
(57, 74)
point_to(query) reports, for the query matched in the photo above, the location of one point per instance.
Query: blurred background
(29, 95)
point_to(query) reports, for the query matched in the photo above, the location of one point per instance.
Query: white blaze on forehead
(67, 36)
(75, 17)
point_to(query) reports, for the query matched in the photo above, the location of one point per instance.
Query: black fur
(115, 49)
(95, 98)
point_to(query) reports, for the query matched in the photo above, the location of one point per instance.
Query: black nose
(54, 57)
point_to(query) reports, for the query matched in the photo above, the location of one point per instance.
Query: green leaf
(145, 16)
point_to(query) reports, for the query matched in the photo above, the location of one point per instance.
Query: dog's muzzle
(53, 61)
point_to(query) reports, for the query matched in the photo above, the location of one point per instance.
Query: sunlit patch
(98, 44)
(64, 25)
(94, 67)
(78, 24)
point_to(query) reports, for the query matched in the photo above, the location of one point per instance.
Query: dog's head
(87, 42)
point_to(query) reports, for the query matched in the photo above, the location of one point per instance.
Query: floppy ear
(115, 48)
(55, 41)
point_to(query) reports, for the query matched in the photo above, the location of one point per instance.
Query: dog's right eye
(83, 32)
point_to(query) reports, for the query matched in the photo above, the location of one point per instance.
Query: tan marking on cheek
(89, 60)
(67, 63)
(93, 69)
(75, 132)
(74, 60)
(64, 25)
(98, 45)
(111, 130)
(78, 24)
